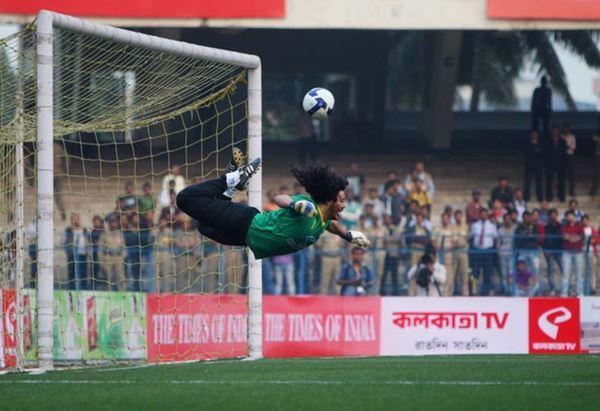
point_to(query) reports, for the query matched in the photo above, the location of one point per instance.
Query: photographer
(355, 278)
(429, 275)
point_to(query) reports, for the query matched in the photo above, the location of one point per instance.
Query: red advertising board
(554, 326)
(544, 9)
(166, 9)
(320, 326)
(8, 327)
(184, 327)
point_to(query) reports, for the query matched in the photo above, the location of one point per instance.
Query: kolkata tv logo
(550, 327)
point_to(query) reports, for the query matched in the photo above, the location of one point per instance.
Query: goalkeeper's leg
(218, 218)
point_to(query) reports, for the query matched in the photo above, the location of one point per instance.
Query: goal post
(191, 79)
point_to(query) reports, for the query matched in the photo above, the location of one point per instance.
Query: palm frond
(580, 43)
(543, 53)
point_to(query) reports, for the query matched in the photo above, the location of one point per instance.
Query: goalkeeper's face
(338, 206)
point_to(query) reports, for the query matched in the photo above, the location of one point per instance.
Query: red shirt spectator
(572, 234)
(473, 207)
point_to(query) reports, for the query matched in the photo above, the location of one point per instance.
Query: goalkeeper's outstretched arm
(354, 237)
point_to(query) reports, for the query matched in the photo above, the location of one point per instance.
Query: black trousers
(560, 177)
(218, 218)
(570, 166)
(536, 175)
(544, 117)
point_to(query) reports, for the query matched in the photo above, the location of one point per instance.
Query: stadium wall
(94, 327)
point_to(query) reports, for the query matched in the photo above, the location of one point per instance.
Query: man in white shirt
(483, 237)
(166, 186)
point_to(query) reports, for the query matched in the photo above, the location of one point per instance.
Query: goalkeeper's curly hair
(320, 182)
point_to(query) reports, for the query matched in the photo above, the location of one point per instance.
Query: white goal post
(47, 22)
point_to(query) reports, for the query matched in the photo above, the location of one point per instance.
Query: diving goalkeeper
(298, 223)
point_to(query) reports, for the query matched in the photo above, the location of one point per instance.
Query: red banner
(544, 9)
(8, 329)
(147, 9)
(554, 326)
(183, 327)
(320, 326)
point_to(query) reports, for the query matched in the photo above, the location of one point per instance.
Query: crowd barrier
(96, 327)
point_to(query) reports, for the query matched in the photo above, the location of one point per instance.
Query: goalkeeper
(298, 223)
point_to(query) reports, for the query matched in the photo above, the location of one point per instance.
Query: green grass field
(391, 383)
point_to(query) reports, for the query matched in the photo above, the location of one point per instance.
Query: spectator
(76, 244)
(128, 201)
(96, 234)
(376, 203)
(589, 235)
(171, 215)
(418, 236)
(376, 233)
(426, 178)
(574, 207)
(571, 143)
(393, 244)
(177, 185)
(526, 243)
(355, 278)
(409, 181)
(391, 176)
(147, 204)
(352, 211)
(369, 215)
(527, 283)
(164, 198)
(556, 158)
(483, 236)
(596, 171)
(411, 213)
(506, 234)
(393, 201)
(502, 192)
(135, 234)
(460, 260)
(188, 262)
(474, 207)
(572, 233)
(442, 241)
(544, 217)
(331, 248)
(429, 276)
(497, 211)
(419, 195)
(519, 203)
(541, 106)
(283, 268)
(534, 166)
(552, 246)
(356, 181)
(112, 255)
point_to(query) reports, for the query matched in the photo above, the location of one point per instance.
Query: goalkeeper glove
(303, 207)
(357, 238)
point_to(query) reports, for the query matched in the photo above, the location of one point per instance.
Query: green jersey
(283, 231)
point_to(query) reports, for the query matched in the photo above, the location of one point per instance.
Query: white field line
(305, 382)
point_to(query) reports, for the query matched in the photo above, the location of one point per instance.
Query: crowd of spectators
(499, 245)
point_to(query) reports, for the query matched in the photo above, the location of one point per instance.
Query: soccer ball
(318, 103)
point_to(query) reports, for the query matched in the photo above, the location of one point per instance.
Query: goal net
(100, 128)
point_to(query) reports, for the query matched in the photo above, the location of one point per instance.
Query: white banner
(422, 326)
(590, 323)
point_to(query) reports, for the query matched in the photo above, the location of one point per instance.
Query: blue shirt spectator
(355, 278)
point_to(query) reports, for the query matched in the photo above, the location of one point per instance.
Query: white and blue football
(318, 103)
